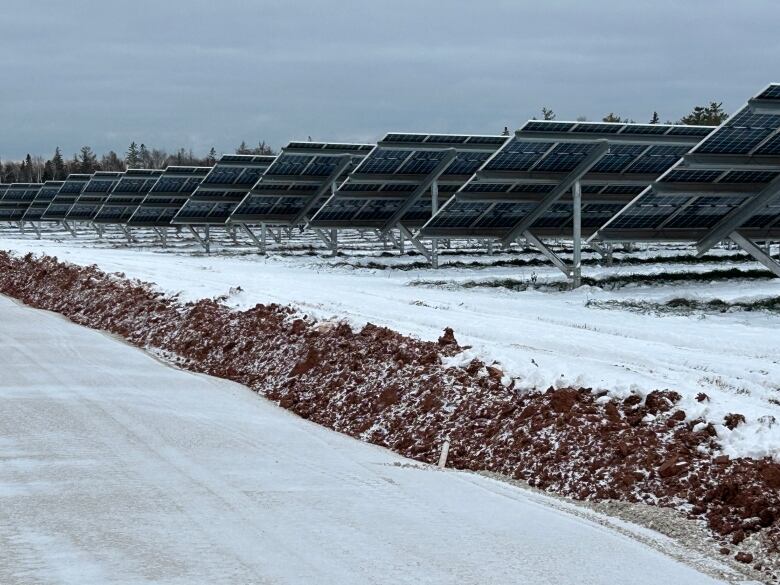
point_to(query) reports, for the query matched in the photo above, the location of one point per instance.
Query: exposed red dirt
(392, 390)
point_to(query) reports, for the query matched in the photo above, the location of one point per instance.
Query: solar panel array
(15, 198)
(94, 194)
(727, 171)
(65, 198)
(516, 184)
(637, 181)
(41, 201)
(391, 184)
(296, 185)
(126, 196)
(170, 192)
(223, 189)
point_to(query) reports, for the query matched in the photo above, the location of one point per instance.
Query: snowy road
(542, 338)
(115, 468)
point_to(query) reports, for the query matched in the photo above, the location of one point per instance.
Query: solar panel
(170, 191)
(526, 184)
(392, 184)
(731, 179)
(91, 198)
(42, 200)
(223, 189)
(15, 199)
(126, 196)
(298, 182)
(66, 196)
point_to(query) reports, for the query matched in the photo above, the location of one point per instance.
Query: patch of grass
(537, 261)
(683, 306)
(612, 282)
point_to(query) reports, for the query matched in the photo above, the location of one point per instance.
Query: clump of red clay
(394, 391)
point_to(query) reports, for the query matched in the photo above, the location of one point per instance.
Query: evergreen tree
(132, 158)
(655, 119)
(60, 172)
(242, 148)
(145, 156)
(48, 171)
(28, 165)
(211, 158)
(87, 161)
(612, 117)
(711, 115)
(548, 114)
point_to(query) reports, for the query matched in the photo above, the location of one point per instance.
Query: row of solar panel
(638, 181)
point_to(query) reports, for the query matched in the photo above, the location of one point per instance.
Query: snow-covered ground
(115, 468)
(541, 338)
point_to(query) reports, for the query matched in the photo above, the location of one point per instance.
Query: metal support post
(576, 196)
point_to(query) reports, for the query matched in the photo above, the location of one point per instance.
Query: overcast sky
(198, 73)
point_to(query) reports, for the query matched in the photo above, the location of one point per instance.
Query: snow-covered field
(115, 468)
(542, 338)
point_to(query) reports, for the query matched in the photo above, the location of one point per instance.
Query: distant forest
(37, 169)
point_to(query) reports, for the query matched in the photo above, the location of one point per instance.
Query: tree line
(36, 169)
(712, 114)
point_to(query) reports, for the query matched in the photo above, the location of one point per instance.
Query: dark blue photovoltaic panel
(169, 193)
(16, 199)
(564, 157)
(518, 156)
(770, 93)
(771, 146)
(467, 163)
(740, 134)
(679, 175)
(41, 200)
(695, 210)
(289, 164)
(421, 162)
(383, 161)
(699, 131)
(657, 159)
(547, 126)
(66, 197)
(645, 129)
(598, 128)
(618, 158)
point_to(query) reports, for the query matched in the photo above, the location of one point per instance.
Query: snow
(541, 338)
(119, 469)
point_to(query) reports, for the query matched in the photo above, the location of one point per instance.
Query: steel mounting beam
(593, 157)
(426, 183)
(739, 216)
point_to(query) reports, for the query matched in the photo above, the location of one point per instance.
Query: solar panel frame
(727, 171)
(126, 196)
(226, 185)
(42, 200)
(15, 199)
(61, 203)
(384, 185)
(170, 191)
(93, 195)
(296, 184)
(541, 155)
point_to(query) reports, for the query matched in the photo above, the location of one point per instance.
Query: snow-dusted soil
(115, 468)
(541, 338)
